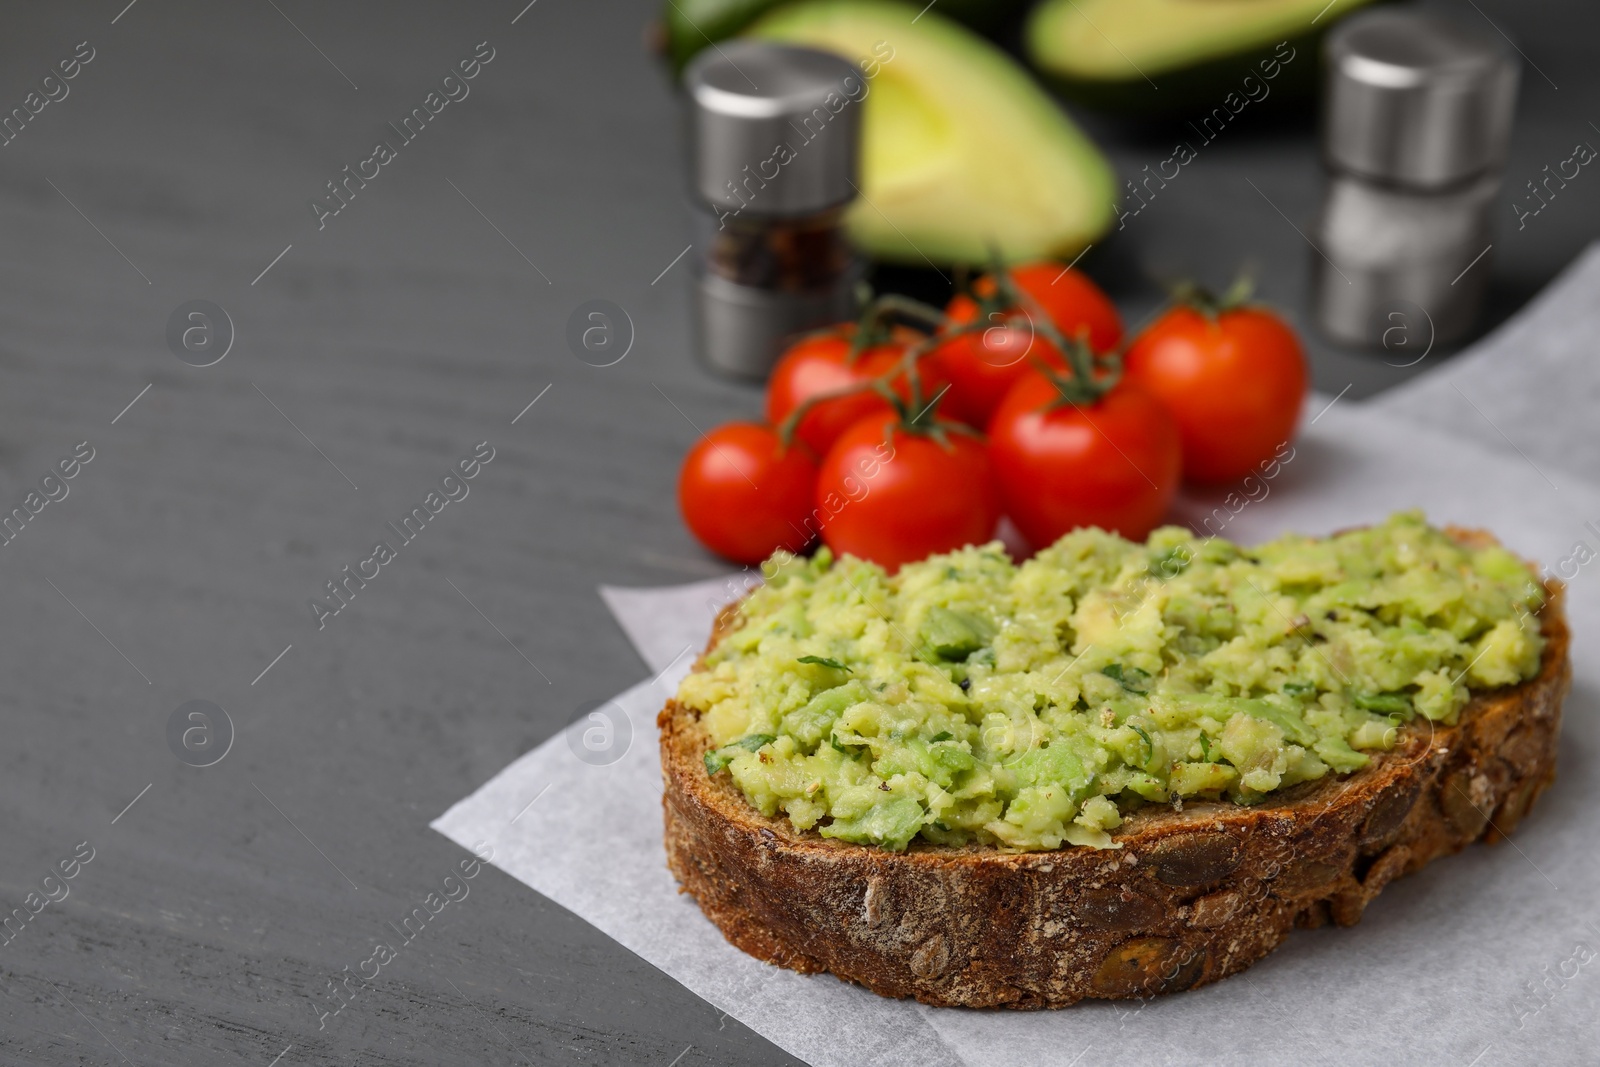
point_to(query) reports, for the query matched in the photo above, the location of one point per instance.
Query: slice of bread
(1191, 896)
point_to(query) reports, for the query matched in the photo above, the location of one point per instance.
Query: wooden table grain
(373, 348)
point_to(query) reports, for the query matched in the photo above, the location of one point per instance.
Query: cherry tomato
(892, 496)
(818, 365)
(1114, 463)
(983, 367)
(744, 495)
(1234, 382)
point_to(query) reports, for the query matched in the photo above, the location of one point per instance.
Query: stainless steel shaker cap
(1416, 99)
(774, 130)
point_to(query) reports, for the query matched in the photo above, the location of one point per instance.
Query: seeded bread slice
(1191, 896)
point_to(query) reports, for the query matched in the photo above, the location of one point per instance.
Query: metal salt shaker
(1417, 115)
(774, 135)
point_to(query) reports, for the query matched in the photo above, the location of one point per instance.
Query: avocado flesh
(962, 152)
(1158, 56)
(693, 24)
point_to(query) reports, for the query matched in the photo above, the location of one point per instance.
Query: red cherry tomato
(983, 367)
(1114, 464)
(819, 365)
(744, 495)
(893, 496)
(1234, 383)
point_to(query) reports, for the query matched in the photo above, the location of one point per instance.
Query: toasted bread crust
(1190, 897)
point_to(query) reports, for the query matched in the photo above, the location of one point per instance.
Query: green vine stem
(1086, 380)
(1238, 295)
(875, 327)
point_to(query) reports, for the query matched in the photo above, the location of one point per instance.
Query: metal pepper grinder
(774, 135)
(1417, 115)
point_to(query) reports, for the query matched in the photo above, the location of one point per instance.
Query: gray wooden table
(367, 358)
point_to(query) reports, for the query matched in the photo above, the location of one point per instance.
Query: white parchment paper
(1485, 958)
(1476, 960)
(1531, 389)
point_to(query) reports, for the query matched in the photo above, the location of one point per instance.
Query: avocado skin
(689, 23)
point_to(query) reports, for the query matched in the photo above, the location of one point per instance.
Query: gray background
(397, 337)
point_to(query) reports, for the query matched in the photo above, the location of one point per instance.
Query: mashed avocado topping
(967, 698)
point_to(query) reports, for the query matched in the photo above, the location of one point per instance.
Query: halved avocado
(962, 151)
(693, 24)
(1175, 56)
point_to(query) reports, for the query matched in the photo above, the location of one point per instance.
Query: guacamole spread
(967, 698)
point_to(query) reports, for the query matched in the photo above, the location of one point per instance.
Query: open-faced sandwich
(1114, 770)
